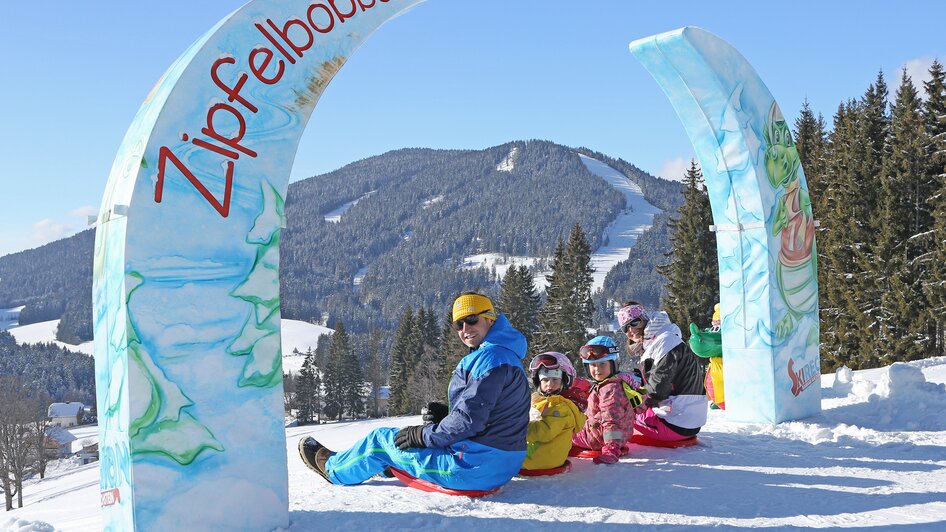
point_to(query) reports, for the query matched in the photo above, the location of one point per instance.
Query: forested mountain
(53, 281)
(49, 369)
(418, 213)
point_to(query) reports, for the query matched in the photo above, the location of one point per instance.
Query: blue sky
(448, 74)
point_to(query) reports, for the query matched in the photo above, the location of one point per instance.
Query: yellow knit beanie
(468, 304)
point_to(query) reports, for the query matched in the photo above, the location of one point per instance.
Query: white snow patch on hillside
(875, 458)
(44, 332)
(620, 236)
(300, 336)
(336, 215)
(509, 163)
(433, 201)
(10, 317)
(359, 278)
(295, 335)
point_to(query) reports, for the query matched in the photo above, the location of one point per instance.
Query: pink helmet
(552, 360)
(632, 316)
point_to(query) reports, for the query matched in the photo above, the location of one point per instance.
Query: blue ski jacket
(489, 395)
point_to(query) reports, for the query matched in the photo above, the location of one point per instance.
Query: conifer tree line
(878, 185)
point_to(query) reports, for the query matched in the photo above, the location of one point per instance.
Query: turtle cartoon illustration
(792, 220)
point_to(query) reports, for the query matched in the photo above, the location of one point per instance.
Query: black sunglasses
(472, 319)
(635, 323)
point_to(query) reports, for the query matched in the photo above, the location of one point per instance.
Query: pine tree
(934, 282)
(398, 401)
(306, 397)
(426, 364)
(811, 143)
(863, 228)
(835, 258)
(374, 371)
(333, 376)
(693, 271)
(520, 301)
(352, 381)
(568, 309)
(904, 220)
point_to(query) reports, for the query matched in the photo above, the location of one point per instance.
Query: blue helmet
(599, 349)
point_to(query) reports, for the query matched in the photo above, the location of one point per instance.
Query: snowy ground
(874, 458)
(296, 335)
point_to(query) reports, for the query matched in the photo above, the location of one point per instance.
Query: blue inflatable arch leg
(186, 274)
(764, 226)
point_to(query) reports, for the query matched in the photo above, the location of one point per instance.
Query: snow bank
(874, 458)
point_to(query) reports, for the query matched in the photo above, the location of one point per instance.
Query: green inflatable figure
(708, 343)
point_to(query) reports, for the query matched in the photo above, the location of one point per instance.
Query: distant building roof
(61, 435)
(64, 409)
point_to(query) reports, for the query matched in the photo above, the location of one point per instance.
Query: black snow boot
(314, 454)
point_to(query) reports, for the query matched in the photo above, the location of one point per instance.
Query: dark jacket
(489, 394)
(674, 376)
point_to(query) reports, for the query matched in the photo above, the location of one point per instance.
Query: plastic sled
(564, 468)
(640, 439)
(430, 487)
(578, 452)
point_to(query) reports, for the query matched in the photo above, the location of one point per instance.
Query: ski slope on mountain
(618, 239)
(624, 231)
(874, 458)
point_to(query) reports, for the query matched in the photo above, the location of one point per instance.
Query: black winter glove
(651, 402)
(434, 412)
(410, 437)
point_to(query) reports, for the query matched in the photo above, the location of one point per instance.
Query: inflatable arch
(186, 273)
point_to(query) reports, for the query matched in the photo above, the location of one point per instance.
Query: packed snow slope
(874, 458)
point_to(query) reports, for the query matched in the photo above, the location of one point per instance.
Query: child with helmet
(609, 422)
(549, 437)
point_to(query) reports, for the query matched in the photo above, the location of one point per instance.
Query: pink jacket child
(609, 421)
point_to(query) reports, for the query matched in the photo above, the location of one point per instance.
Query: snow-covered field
(874, 458)
(296, 335)
(45, 332)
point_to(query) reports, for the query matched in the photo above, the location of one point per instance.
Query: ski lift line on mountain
(186, 265)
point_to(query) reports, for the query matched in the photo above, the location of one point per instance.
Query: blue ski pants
(465, 465)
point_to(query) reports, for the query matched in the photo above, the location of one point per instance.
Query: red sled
(564, 468)
(578, 452)
(430, 487)
(640, 439)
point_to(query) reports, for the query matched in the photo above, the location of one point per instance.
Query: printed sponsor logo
(803, 378)
(110, 497)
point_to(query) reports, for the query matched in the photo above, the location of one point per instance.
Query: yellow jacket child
(549, 437)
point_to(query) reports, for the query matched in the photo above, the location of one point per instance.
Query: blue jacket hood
(502, 334)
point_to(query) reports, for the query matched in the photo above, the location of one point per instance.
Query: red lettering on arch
(331, 18)
(343, 16)
(166, 154)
